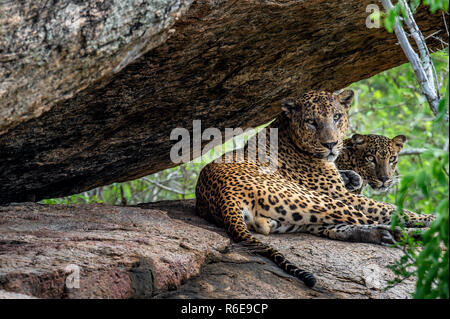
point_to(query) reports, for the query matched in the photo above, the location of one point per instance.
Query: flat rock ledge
(163, 250)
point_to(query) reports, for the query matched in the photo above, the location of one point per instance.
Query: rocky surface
(90, 90)
(163, 250)
(13, 295)
(49, 51)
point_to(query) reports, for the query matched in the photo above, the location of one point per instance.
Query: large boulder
(90, 90)
(163, 250)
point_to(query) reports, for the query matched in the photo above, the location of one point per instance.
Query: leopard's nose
(383, 178)
(329, 145)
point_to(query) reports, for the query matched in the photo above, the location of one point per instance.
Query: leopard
(374, 158)
(305, 193)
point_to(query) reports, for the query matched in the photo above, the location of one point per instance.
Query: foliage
(427, 257)
(398, 10)
(390, 104)
(436, 5)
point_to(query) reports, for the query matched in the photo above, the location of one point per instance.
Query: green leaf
(421, 181)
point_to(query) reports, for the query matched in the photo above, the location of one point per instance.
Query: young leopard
(373, 157)
(304, 194)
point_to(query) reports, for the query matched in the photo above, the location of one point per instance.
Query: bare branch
(423, 69)
(423, 49)
(412, 151)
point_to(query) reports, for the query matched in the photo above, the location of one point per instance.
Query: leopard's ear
(358, 140)
(399, 141)
(346, 98)
(288, 106)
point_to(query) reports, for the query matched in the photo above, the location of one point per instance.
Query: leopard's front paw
(352, 180)
(375, 234)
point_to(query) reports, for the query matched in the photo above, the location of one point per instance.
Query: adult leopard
(304, 194)
(373, 157)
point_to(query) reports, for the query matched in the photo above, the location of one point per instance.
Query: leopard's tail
(239, 232)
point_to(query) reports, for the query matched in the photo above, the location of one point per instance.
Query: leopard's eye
(370, 158)
(392, 159)
(311, 122)
(337, 117)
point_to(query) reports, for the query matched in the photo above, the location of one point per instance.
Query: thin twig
(445, 23)
(163, 186)
(413, 260)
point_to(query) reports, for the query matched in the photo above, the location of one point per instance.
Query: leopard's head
(375, 158)
(318, 122)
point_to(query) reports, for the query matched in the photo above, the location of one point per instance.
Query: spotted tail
(239, 232)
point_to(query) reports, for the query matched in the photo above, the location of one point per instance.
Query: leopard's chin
(380, 190)
(331, 157)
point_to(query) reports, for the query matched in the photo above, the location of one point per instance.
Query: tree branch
(412, 151)
(423, 50)
(422, 69)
